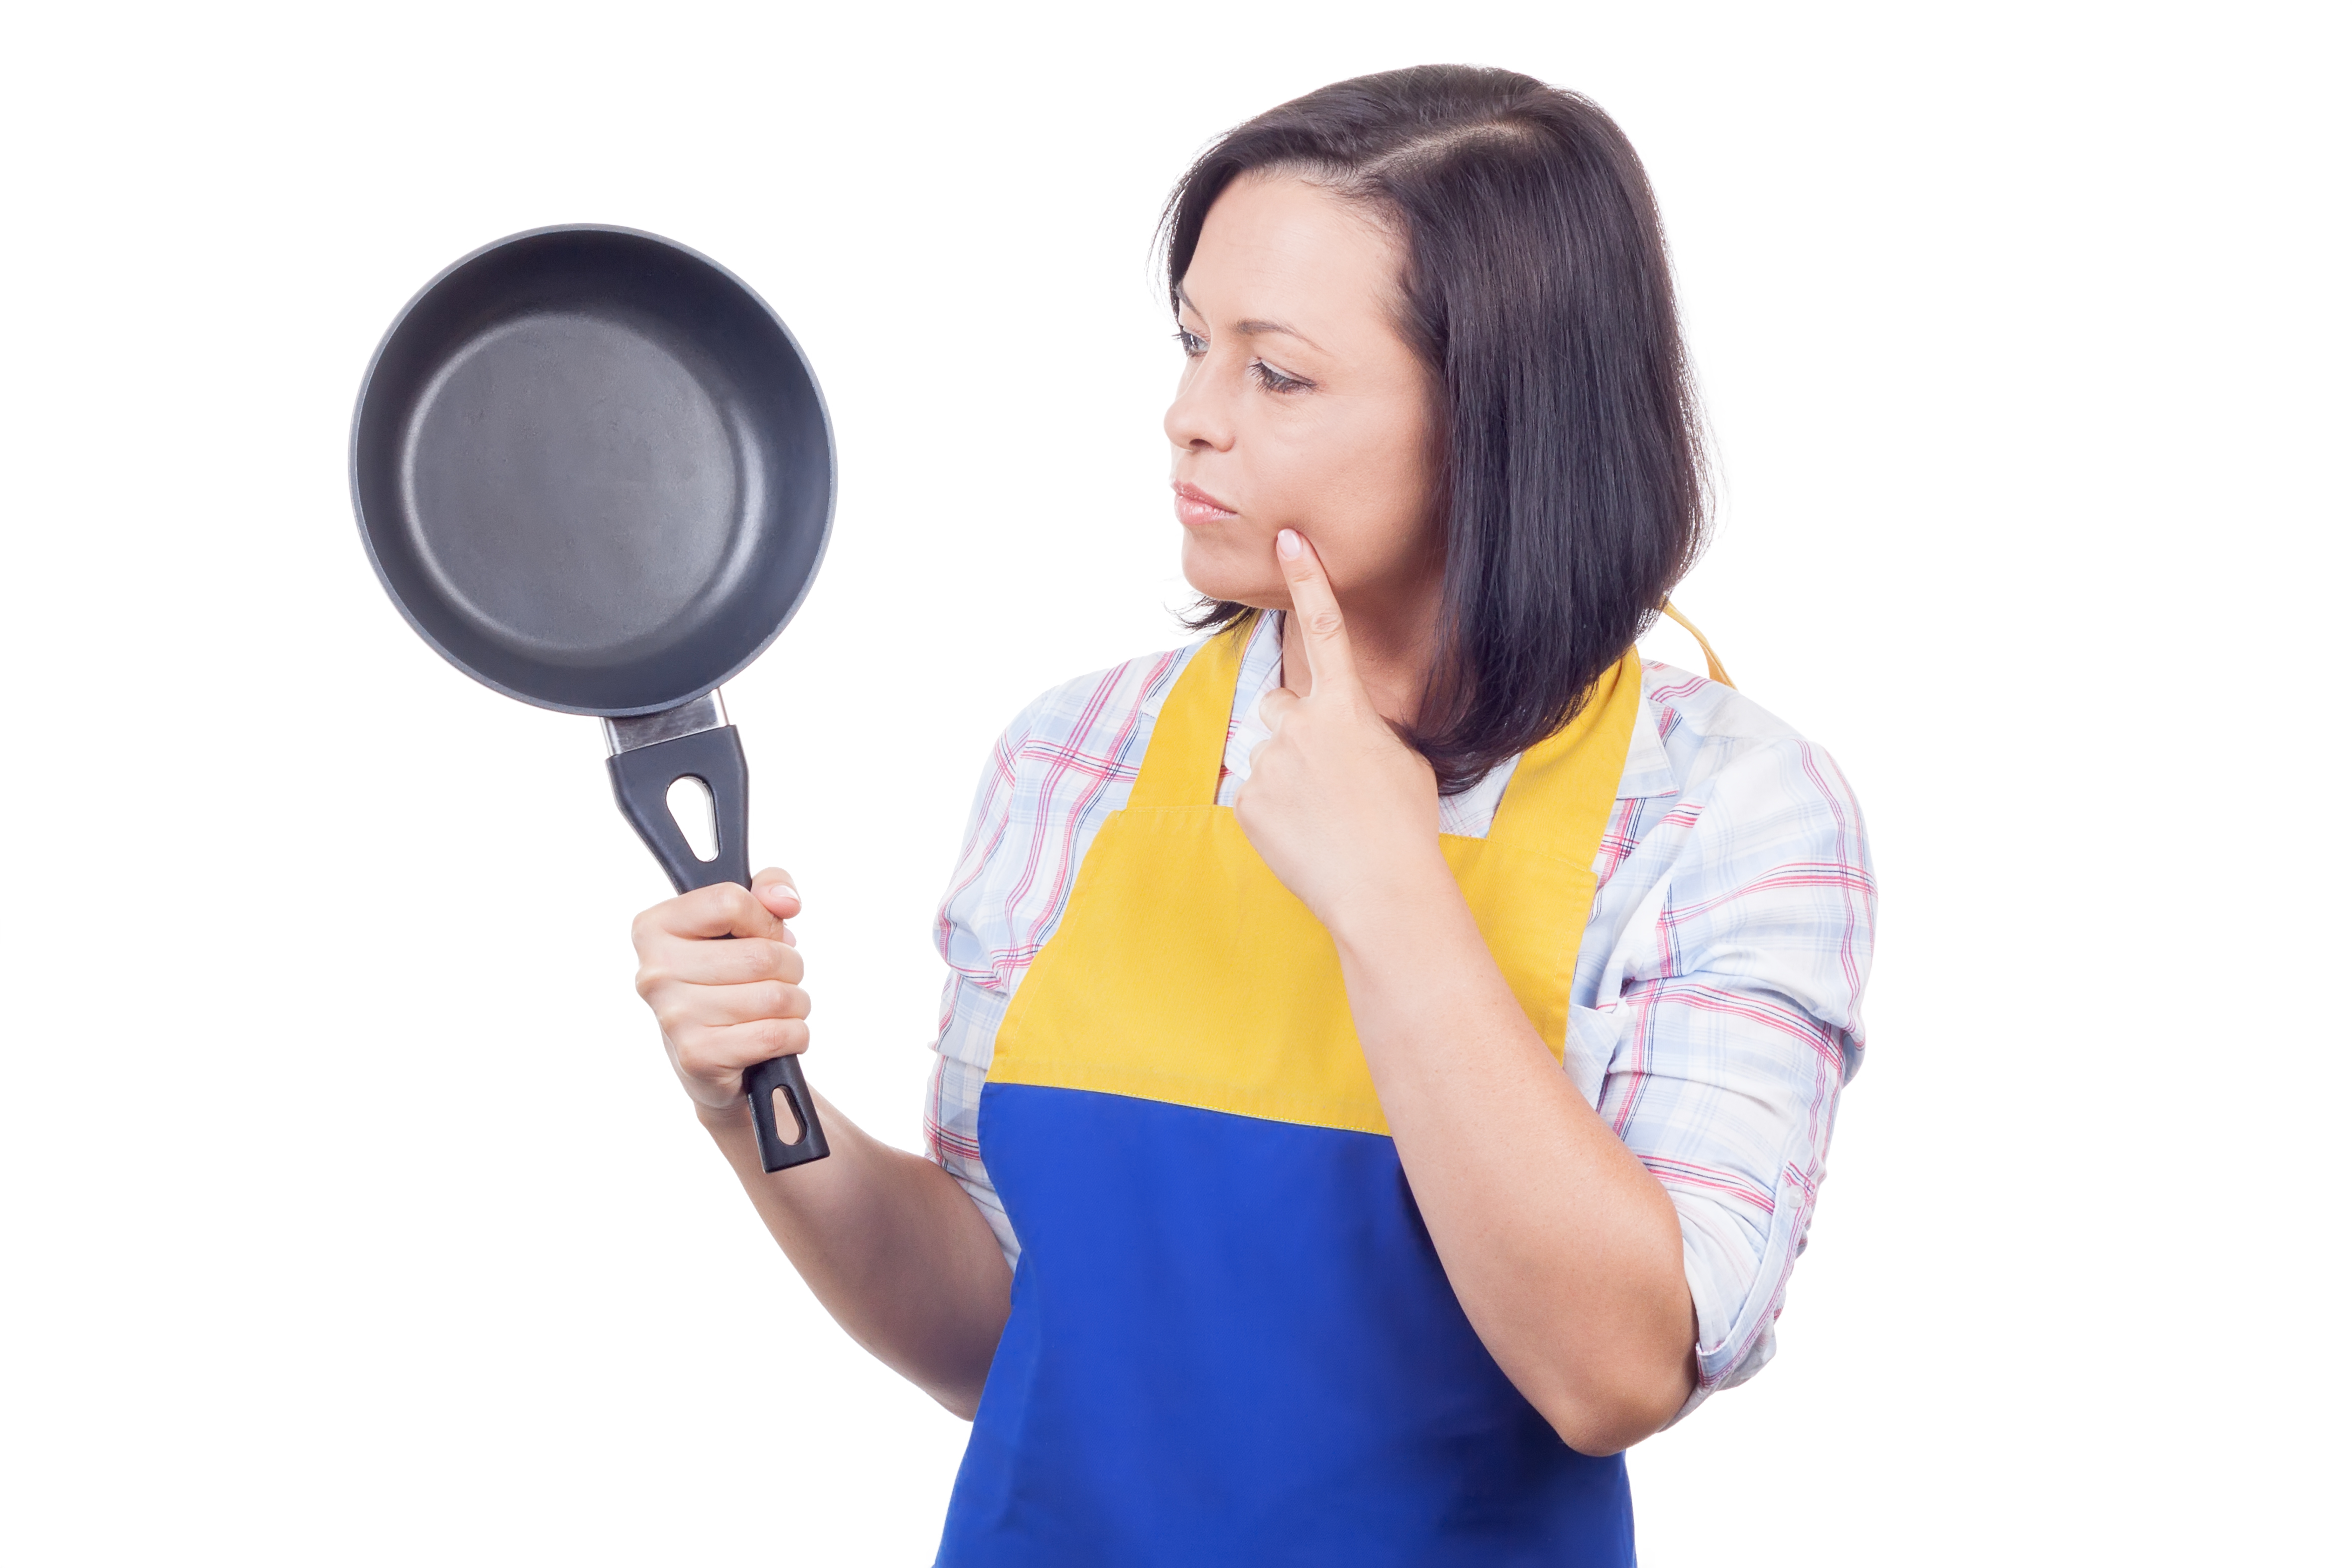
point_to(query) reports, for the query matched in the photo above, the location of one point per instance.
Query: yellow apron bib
(1231, 1340)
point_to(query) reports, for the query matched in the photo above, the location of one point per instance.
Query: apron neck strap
(1560, 797)
(1715, 670)
(1188, 740)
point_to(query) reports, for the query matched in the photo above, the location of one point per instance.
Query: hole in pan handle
(641, 782)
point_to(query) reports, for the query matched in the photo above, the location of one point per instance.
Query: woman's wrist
(735, 1116)
(1405, 889)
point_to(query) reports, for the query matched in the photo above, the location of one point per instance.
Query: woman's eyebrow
(1257, 327)
(1254, 327)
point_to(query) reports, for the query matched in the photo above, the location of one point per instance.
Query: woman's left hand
(1342, 811)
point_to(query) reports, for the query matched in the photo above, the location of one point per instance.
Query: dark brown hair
(1571, 487)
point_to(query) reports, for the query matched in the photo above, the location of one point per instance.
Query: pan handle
(641, 783)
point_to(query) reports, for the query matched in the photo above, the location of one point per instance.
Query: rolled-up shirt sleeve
(1725, 1017)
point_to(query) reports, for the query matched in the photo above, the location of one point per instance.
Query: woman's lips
(1195, 506)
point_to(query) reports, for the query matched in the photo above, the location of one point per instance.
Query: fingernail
(1285, 545)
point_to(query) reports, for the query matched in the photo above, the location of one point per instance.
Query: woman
(1391, 1044)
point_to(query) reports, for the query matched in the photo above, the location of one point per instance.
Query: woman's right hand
(723, 1007)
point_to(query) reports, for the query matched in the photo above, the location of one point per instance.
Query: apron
(1231, 1340)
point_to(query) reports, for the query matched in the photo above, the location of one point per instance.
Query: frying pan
(594, 472)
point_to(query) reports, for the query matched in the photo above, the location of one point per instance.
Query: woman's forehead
(1279, 251)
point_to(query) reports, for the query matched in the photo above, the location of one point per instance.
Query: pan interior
(573, 486)
(593, 471)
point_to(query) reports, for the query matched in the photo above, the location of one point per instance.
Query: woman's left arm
(1565, 1252)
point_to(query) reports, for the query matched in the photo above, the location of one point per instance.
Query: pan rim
(367, 538)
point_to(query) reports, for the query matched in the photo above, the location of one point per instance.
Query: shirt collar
(1648, 770)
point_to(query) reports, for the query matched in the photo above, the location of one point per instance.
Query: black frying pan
(594, 472)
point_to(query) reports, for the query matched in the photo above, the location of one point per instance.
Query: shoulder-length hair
(1571, 485)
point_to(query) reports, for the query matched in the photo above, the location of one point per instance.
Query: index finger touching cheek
(1321, 627)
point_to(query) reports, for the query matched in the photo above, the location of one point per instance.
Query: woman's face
(1301, 406)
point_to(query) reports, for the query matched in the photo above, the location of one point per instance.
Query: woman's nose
(1201, 416)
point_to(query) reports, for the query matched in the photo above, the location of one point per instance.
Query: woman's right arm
(891, 1243)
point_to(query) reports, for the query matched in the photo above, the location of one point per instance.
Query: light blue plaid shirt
(1717, 1008)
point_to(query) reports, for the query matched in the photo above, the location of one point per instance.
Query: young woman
(1391, 1044)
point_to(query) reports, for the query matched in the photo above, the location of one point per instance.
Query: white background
(350, 1212)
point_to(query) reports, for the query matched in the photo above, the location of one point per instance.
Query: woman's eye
(1274, 380)
(1193, 345)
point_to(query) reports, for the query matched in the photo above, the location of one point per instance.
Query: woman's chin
(1258, 596)
(1230, 582)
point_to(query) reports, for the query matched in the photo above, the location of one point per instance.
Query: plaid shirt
(1716, 1012)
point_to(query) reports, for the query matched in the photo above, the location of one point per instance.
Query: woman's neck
(1394, 643)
